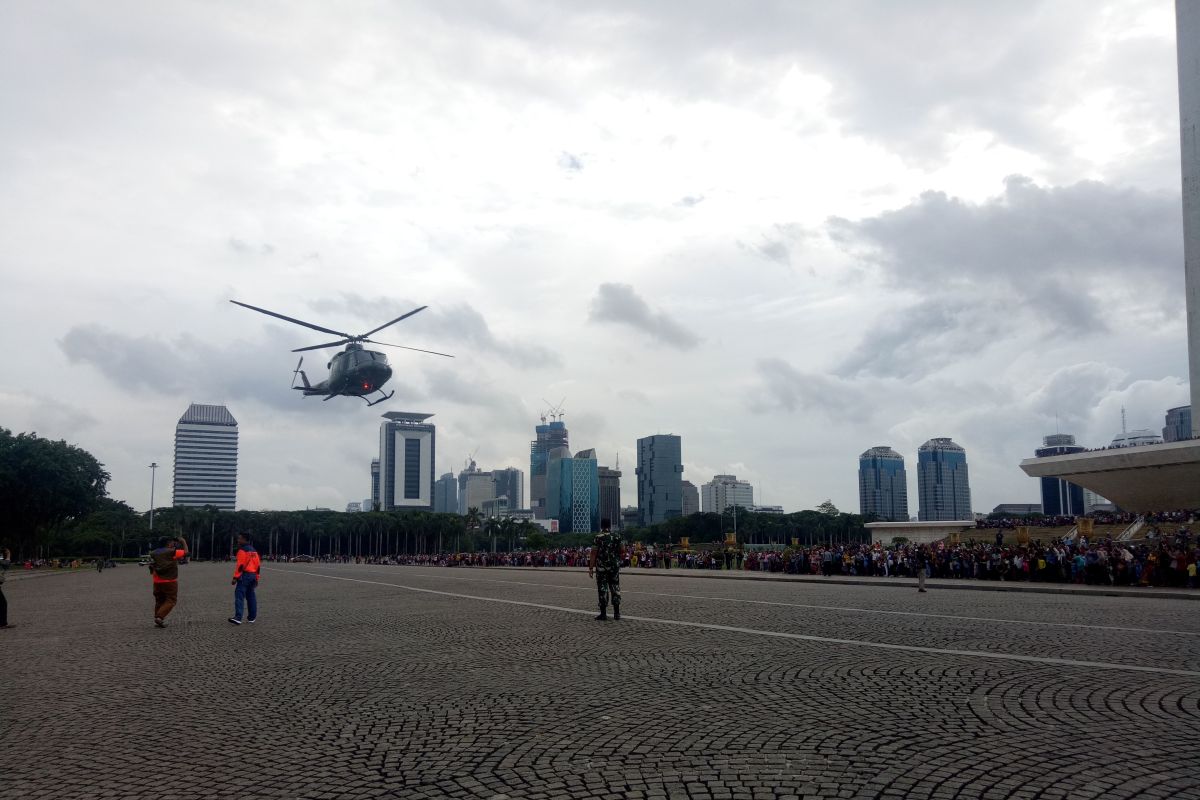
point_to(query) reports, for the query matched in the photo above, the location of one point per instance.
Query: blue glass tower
(659, 478)
(1060, 498)
(883, 484)
(573, 492)
(942, 484)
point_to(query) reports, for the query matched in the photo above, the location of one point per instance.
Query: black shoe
(616, 614)
(235, 620)
(603, 617)
(920, 590)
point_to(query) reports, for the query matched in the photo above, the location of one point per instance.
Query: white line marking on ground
(780, 634)
(819, 607)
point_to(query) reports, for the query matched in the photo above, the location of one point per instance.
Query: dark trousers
(165, 596)
(3, 609)
(608, 583)
(244, 592)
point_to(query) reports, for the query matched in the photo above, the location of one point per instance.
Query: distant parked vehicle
(303, 559)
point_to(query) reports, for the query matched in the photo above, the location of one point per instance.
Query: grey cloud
(188, 366)
(1072, 392)
(1032, 259)
(690, 201)
(788, 389)
(905, 73)
(438, 327)
(570, 162)
(778, 243)
(1084, 230)
(915, 341)
(244, 248)
(619, 303)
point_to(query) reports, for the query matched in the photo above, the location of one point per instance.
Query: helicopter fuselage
(355, 372)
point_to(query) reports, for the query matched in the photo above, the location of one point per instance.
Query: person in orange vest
(164, 569)
(245, 580)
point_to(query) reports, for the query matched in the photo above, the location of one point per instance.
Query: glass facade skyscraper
(445, 494)
(1060, 498)
(659, 478)
(942, 484)
(1179, 424)
(883, 484)
(510, 483)
(573, 492)
(549, 436)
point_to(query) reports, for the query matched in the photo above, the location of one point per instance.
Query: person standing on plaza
(164, 569)
(245, 580)
(604, 565)
(5, 563)
(921, 562)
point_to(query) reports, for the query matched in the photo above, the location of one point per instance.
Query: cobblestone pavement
(396, 682)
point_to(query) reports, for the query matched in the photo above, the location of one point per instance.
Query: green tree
(828, 508)
(44, 484)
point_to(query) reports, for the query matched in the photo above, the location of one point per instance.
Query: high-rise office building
(353, 507)
(1179, 424)
(943, 487)
(474, 487)
(724, 492)
(610, 496)
(1060, 498)
(549, 436)
(406, 457)
(629, 517)
(445, 494)
(374, 506)
(883, 484)
(691, 499)
(510, 483)
(659, 478)
(573, 491)
(206, 452)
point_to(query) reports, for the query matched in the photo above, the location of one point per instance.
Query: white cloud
(499, 162)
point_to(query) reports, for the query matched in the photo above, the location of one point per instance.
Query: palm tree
(491, 528)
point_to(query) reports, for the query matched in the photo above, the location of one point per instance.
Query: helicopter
(354, 372)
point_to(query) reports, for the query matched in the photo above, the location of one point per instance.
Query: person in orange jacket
(245, 580)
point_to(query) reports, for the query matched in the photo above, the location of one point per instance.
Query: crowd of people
(1169, 559)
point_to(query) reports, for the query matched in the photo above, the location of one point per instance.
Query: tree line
(54, 502)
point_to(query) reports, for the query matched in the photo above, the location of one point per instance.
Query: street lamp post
(153, 471)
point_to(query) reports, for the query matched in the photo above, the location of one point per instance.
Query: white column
(1187, 33)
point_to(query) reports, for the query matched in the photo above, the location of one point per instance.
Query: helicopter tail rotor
(300, 372)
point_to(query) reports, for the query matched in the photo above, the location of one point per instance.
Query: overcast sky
(786, 231)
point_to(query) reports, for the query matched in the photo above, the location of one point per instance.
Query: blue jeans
(244, 592)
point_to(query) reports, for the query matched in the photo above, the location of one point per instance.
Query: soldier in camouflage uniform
(605, 564)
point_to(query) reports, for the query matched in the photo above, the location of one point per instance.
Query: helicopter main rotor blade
(405, 347)
(393, 322)
(322, 346)
(293, 319)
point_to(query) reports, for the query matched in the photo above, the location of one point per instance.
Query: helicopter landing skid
(387, 396)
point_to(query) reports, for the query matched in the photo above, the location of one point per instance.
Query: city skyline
(840, 178)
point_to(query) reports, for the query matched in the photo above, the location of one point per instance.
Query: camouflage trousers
(608, 583)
